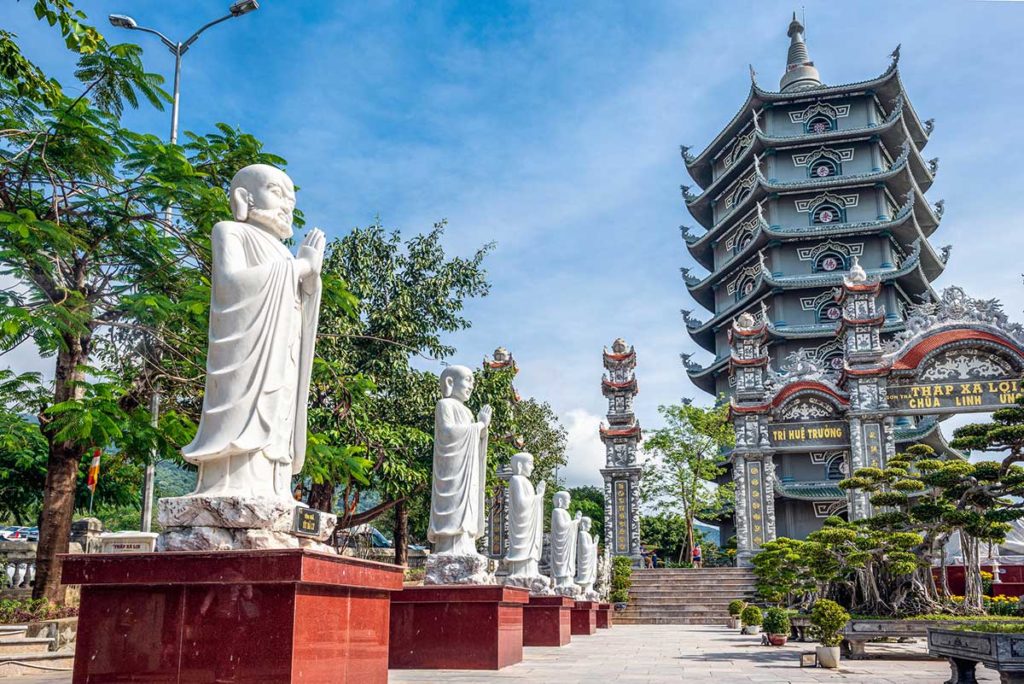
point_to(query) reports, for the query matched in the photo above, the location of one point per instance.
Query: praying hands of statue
(311, 254)
(542, 487)
(485, 415)
(579, 516)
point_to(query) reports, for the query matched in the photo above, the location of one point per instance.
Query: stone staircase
(24, 655)
(674, 596)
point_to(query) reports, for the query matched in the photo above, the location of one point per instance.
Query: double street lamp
(236, 9)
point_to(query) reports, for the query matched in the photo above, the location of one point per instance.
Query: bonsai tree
(776, 626)
(736, 607)
(622, 571)
(751, 616)
(829, 617)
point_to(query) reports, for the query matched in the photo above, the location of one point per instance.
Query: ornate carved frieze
(808, 205)
(824, 108)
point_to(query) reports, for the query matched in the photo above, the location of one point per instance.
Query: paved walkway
(670, 653)
(676, 653)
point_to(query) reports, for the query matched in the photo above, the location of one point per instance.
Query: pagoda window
(745, 287)
(743, 240)
(826, 213)
(829, 312)
(824, 168)
(830, 261)
(835, 468)
(820, 124)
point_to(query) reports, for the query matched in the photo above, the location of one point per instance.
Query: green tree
(589, 500)
(374, 408)
(684, 461)
(97, 272)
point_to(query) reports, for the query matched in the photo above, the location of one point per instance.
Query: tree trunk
(61, 480)
(972, 573)
(321, 497)
(401, 533)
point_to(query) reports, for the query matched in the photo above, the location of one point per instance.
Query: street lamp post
(236, 9)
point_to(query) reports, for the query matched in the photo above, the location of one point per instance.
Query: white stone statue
(564, 531)
(525, 528)
(263, 318)
(586, 559)
(264, 308)
(459, 479)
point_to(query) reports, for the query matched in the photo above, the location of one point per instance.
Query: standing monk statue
(525, 528)
(564, 530)
(586, 560)
(263, 318)
(457, 490)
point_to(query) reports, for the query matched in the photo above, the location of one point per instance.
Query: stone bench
(858, 633)
(998, 651)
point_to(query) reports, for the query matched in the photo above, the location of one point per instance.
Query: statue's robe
(563, 545)
(525, 525)
(586, 559)
(460, 469)
(262, 332)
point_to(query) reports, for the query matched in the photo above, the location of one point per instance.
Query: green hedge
(622, 573)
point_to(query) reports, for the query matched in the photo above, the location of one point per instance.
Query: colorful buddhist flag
(94, 472)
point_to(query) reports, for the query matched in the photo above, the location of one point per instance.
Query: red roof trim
(793, 388)
(913, 357)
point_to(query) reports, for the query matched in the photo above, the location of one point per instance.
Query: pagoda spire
(800, 70)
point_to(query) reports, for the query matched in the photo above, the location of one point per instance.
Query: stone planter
(998, 651)
(777, 639)
(751, 629)
(734, 622)
(828, 656)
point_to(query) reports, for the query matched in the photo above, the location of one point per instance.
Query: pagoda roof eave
(704, 378)
(818, 330)
(703, 334)
(826, 490)
(700, 166)
(908, 268)
(762, 141)
(897, 176)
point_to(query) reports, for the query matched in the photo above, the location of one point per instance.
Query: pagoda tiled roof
(892, 131)
(909, 274)
(631, 431)
(887, 87)
(899, 175)
(704, 376)
(826, 490)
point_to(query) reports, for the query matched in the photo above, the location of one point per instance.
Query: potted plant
(776, 626)
(829, 617)
(751, 618)
(736, 607)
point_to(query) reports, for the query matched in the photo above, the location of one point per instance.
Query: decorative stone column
(872, 438)
(753, 470)
(497, 519)
(621, 437)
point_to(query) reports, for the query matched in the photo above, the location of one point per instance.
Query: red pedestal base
(547, 621)
(233, 616)
(604, 615)
(457, 627)
(584, 617)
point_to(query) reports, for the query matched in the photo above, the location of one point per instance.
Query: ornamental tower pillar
(753, 469)
(872, 431)
(496, 514)
(621, 437)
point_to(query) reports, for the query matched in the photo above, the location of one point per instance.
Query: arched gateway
(956, 355)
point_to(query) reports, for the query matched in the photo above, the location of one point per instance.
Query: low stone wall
(61, 632)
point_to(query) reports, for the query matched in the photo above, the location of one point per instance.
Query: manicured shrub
(829, 617)
(622, 572)
(751, 616)
(736, 607)
(776, 621)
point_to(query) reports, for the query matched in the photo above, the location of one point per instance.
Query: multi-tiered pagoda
(801, 185)
(621, 436)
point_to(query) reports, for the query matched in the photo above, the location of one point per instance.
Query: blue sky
(553, 129)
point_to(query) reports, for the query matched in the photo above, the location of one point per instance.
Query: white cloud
(585, 450)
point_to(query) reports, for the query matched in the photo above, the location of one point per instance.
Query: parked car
(7, 531)
(18, 533)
